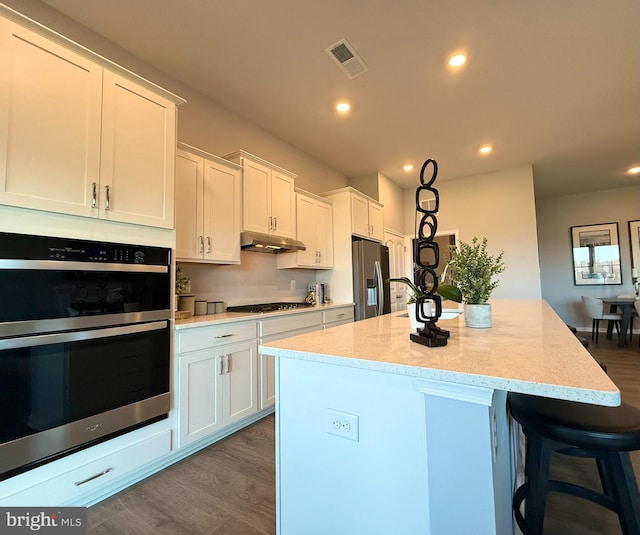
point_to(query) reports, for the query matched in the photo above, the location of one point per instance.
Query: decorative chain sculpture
(427, 257)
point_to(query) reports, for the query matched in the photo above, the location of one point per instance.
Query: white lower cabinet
(337, 316)
(272, 329)
(218, 385)
(72, 485)
(239, 381)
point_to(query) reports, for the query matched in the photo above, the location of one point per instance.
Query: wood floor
(229, 488)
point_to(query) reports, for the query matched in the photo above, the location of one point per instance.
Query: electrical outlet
(342, 424)
(293, 284)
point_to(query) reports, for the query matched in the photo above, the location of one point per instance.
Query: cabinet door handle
(94, 195)
(224, 364)
(223, 336)
(201, 242)
(107, 198)
(103, 473)
(227, 359)
(275, 223)
(208, 244)
(270, 223)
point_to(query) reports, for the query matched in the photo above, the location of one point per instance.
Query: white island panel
(433, 454)
(329, 484)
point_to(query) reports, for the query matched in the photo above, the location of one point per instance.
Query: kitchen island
(377, 435)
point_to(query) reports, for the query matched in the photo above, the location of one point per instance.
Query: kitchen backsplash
(255, 280)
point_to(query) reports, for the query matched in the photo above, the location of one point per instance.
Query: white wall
(367, 184)
(392, 198)
(500, 206)
(206, 125)
(555, 218)
(255, 280)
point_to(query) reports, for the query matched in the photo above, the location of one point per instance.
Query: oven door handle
(77, 336)
(64, 265)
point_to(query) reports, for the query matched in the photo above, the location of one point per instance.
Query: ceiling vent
(347, 58)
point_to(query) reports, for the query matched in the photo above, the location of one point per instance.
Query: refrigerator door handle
(380, 288)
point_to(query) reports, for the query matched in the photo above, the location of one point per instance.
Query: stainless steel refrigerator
(370, 273)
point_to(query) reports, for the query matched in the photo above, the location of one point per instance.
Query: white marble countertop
(230, 317)
(528, 349)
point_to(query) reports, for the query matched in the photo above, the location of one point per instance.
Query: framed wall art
(596, 254)
(634, 239)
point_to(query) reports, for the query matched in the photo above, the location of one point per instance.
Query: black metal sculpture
(427, 257)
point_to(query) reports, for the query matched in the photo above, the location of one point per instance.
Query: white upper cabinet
(359, 216)
(366, 217)
(49, 130)
(365, 213)
(268, 204)
(376, 231)
(282, 197)
(189, 205)
(137, 165)
(207, 207)
(314, 217)
(81, 139)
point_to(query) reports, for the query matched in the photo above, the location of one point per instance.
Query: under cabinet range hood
(266, 243)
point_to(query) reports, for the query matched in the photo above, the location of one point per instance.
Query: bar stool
(606, 434)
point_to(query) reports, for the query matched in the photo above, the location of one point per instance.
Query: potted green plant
(472, 270)
(183, 283)
(183, 286)
(445, 290)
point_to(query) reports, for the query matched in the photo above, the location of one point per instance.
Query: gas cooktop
(267, 307)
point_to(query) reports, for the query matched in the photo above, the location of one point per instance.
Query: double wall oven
(84, 344)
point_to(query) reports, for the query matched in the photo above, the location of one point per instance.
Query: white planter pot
(477, 316)
(429, 310)
(411, 310)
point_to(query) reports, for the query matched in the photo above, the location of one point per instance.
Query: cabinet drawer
(291, 322)
(70, 486)
(208, 337)
(338, 314)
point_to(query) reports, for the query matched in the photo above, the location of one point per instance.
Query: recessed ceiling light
(485, 149)
(343, 107)
(634, 170)
(457, 60)
(408, 167)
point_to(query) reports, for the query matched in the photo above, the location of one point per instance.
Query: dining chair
(634, 312)
(594, 308)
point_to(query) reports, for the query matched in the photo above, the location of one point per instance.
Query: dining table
(626, 304)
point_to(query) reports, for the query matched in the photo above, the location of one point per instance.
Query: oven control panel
(28, 247)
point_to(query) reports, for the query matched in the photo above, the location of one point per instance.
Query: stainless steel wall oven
(84, 344)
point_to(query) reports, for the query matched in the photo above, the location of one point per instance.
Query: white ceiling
(551, 83)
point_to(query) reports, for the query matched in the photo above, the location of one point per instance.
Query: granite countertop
(528, 349)
(230, 317)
